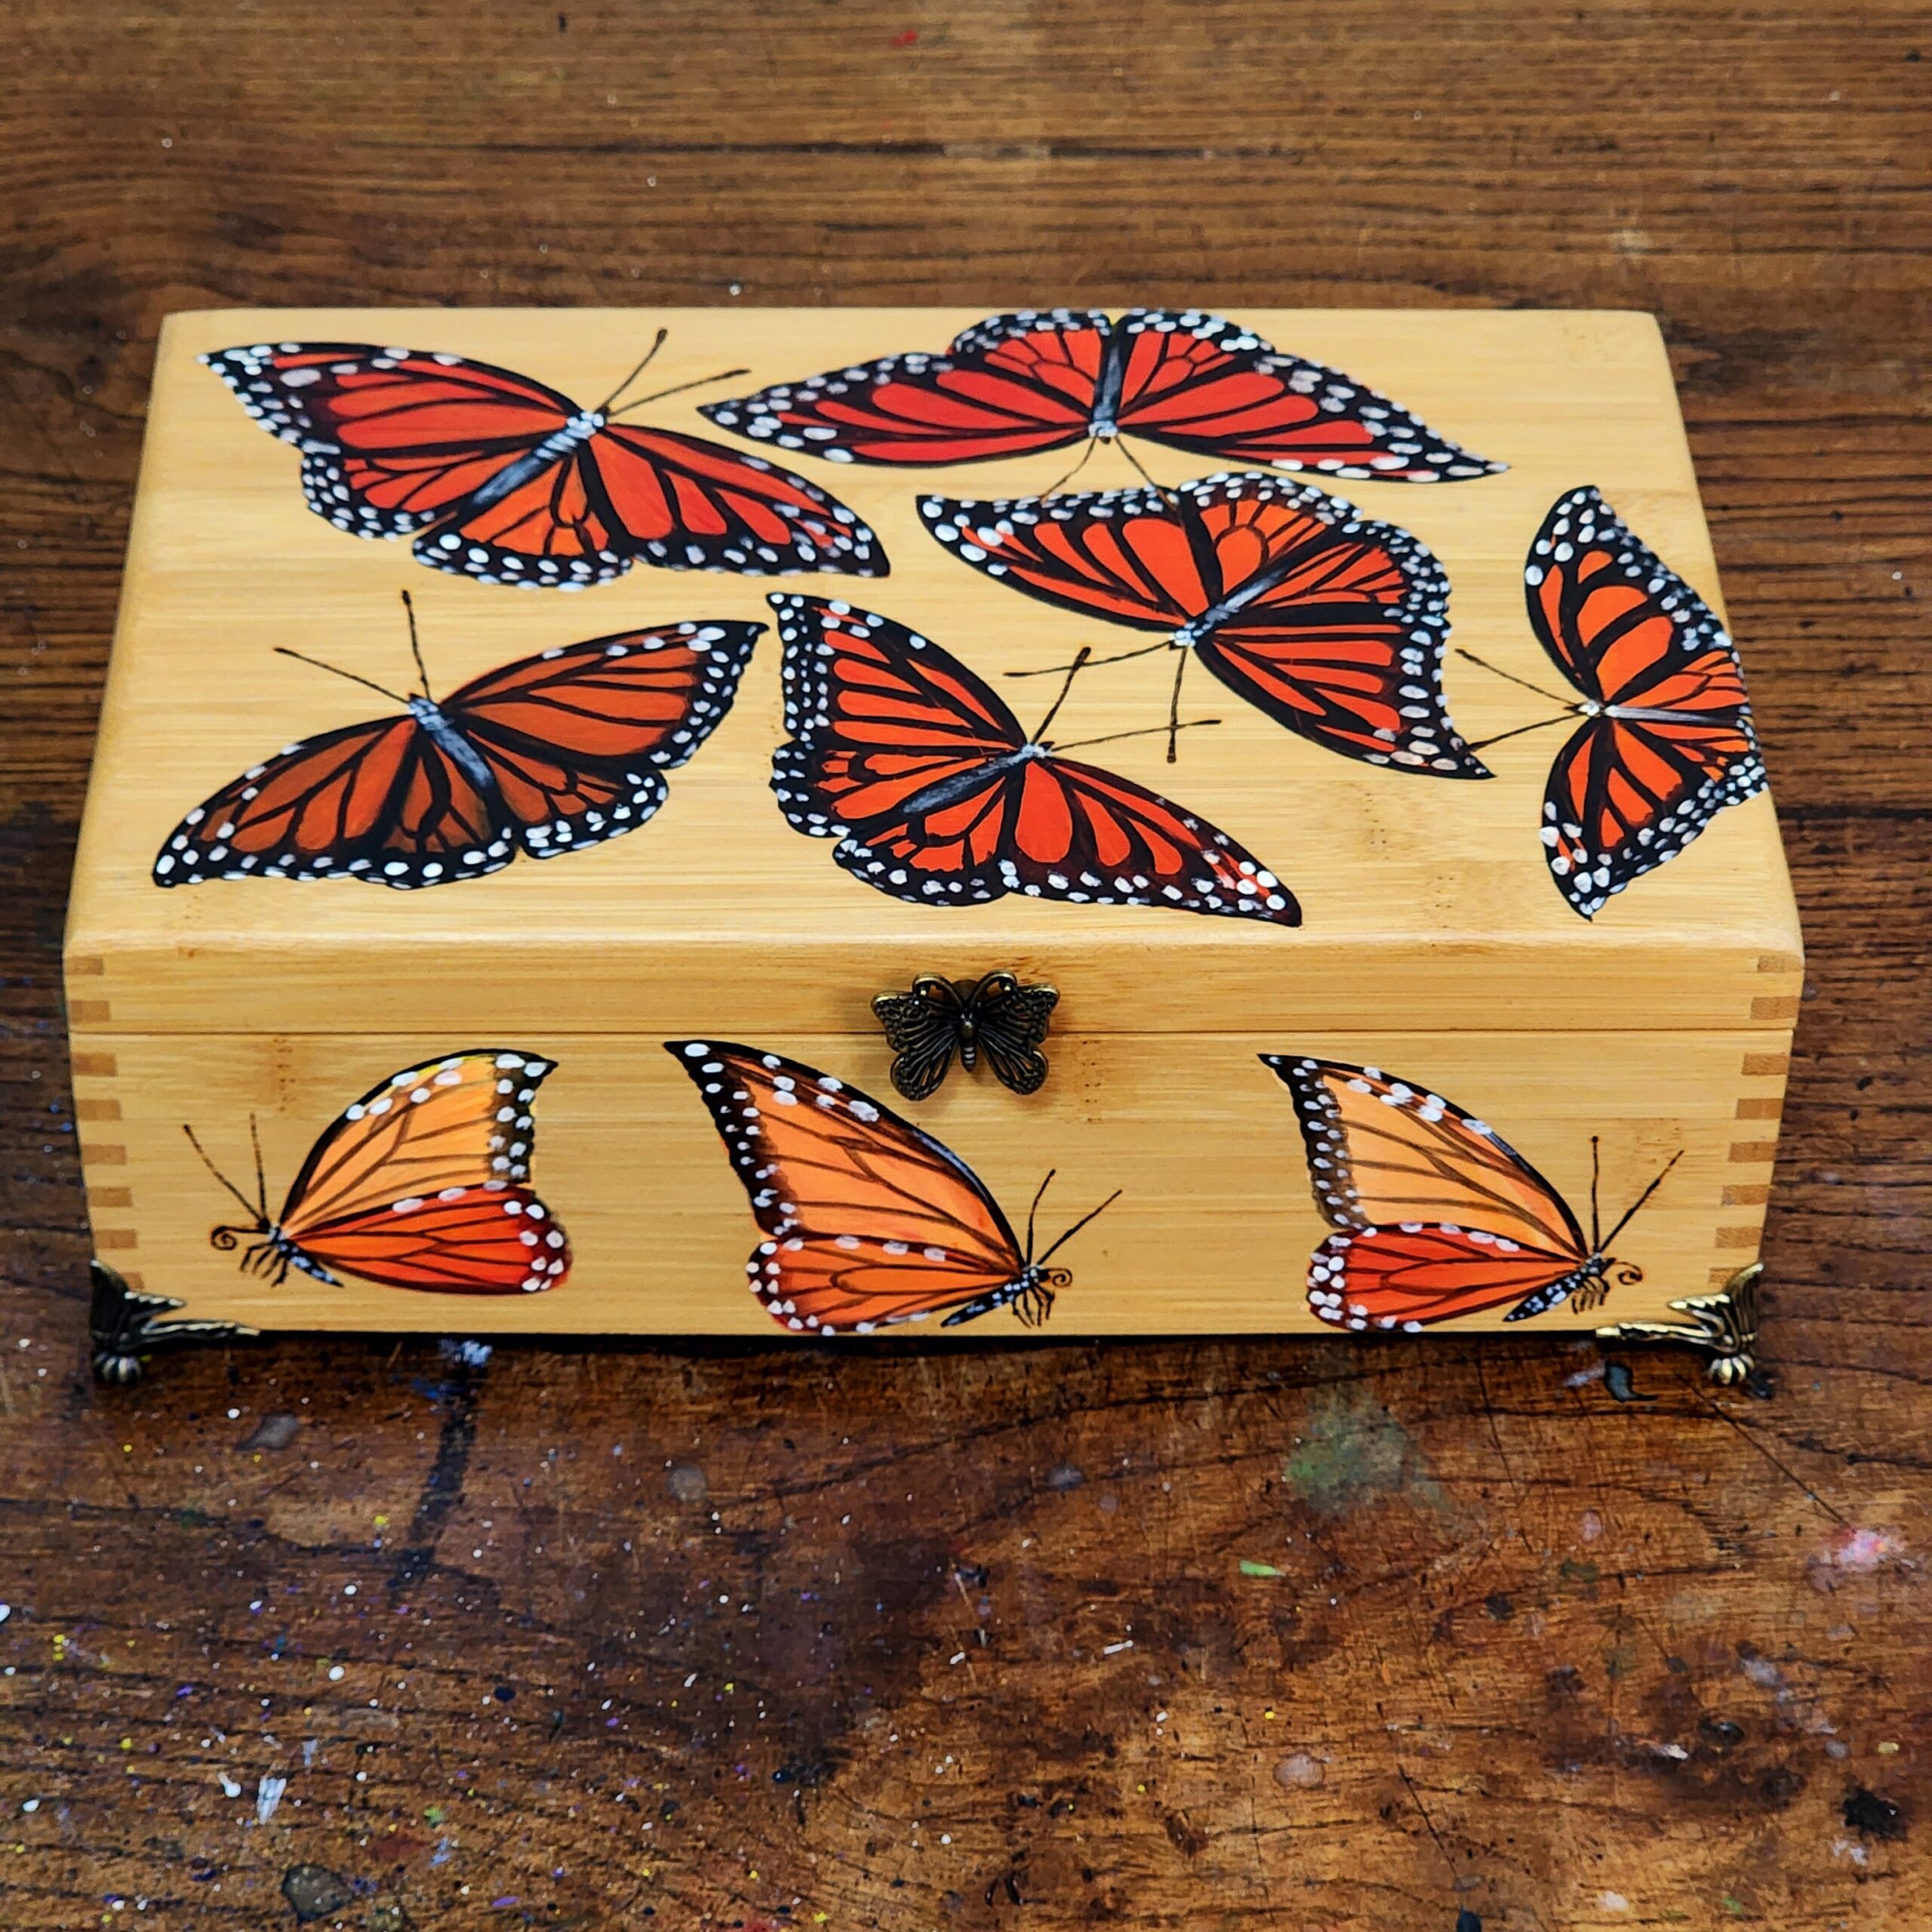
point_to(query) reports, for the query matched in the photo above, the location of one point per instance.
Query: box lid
(1426, 900)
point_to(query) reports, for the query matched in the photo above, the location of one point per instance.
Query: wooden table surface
(1287, 1634)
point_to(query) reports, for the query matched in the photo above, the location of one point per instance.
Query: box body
(1433, 943)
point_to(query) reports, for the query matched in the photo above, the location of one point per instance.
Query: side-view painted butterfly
(1667, 740)
(995, 1016)
(1043, 379)
(937, 796)
(423, 1183)
(1436, 1215)
(499, 478)
(545, 756)
(868, 1220)
(1329, 622)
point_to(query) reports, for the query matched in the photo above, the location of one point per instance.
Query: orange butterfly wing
(868, 1220)
(1436, 1215)
(423, 1183)
(1410, 1276)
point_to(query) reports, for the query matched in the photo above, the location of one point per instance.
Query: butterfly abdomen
(553, 448)
(1197, 629)
(957, 786)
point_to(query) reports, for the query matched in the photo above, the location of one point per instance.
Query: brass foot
(125, 1328)
(1724, 1325)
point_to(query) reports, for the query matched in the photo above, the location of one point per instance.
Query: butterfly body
(422, 1184)
(937, 796)
(452, 744)
(1030, 1295)
(1330, 623)
(1035, 380)
(1104, 424)
(867, 1221)
(939, 1017)
(1197, 630)
(1435, 1215)
(497, 476)
(1667, 740)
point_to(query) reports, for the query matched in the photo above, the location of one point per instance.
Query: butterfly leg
(1033, 1304)
(1590, 1294)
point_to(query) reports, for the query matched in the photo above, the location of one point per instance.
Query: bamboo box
(1237, 829)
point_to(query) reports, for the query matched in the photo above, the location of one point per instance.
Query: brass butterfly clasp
(997, 1016)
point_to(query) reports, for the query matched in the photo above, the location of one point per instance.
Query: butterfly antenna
(1033, 1212)
(1501, 737)
(1496, 670)
(1174, 705)
(1073, 671)
(1079, 1224)
(1093, 662)
(604, 407)
(416, 648)
(395, 697)
(1146, 731)
(1596, 1172)
(1161, 489)
(677, 388)
(1054, 489)
(246, 1203)
(1630, 1212)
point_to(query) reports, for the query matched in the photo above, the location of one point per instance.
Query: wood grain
(1554, 1659)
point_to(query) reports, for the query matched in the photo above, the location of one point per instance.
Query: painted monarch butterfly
(542, 756)
(1330, 623)
(1667, 740)
(499, 477)
(1436, 1215)
(1044, 378)
(868, 1220)
(423, 1183)
(938, 796)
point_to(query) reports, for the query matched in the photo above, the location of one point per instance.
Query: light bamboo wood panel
(1212, 1233)
(1428, 903)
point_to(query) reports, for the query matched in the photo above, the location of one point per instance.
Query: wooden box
(1308, 941)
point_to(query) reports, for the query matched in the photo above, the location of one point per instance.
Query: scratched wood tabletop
(1203, 1634)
